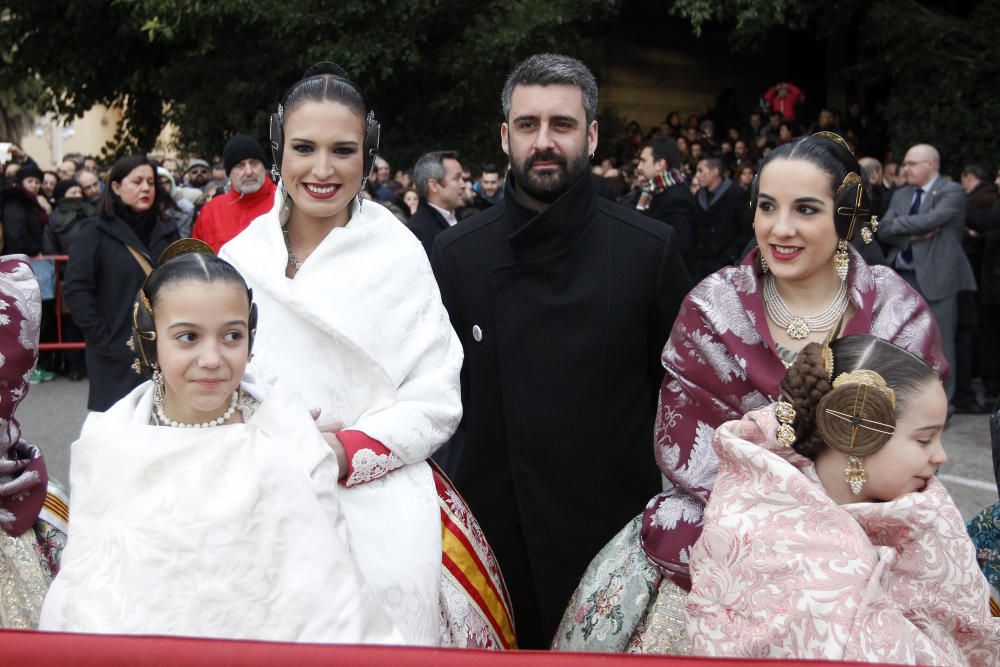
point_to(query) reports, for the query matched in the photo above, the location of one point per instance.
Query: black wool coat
(101, 283)
(563, 315)
(721, 231)
(676, 207)
(426, 223)
(22, 233)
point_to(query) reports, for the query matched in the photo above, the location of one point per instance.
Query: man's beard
(249, 186)
(547, 186)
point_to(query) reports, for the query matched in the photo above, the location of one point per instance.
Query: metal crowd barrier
(59, 343)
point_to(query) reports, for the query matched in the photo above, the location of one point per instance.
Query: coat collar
(120, 230)
(434, 214)
(538, 234)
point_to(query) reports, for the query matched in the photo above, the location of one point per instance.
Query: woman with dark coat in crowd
(23, 217)
(109, 260)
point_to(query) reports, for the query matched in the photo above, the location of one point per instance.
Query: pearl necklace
(797, 326)
(167, 421)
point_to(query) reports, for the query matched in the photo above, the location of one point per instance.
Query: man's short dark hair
(546, 69)
(665, 148)
(977, 170)
(713, 163)
(489, 168)
(430, 166)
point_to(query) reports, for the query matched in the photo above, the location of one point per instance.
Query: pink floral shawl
(721, 363)
(782, 571)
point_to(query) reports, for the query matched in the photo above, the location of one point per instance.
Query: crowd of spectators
(692, 173)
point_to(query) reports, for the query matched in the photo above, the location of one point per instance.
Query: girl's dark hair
(828, 156)
(119, 172)
(191, 266)
(325, 81)
(806, 381)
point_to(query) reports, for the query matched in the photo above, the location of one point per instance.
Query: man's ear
(504, 138)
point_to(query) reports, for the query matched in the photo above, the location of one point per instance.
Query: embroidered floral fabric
(782, 571)
(623, 604)
(721, 362)
(984, 529)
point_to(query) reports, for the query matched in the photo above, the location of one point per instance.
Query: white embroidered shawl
(782, 571)
(233, 531)
(361, 332)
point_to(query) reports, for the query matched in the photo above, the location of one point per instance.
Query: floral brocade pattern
(782, 571)
(721, 363)
(984, 529)
(623, 604)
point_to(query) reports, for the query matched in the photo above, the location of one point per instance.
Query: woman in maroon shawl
(735, 334)
(32, 512)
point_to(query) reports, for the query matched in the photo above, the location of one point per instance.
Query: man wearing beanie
(251, 193)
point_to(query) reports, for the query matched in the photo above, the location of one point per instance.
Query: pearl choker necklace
(167, 421)
(796, 326)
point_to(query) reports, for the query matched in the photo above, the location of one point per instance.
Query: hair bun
(325, 67)
(855, 419)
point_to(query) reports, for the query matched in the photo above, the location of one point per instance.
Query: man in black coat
(438, 178)
(563, 302)
(723, 220)
(665, 195)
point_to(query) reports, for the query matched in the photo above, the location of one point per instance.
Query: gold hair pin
(869, 379)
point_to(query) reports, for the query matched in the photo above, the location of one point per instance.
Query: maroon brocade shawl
(721, 362)
(22, 469)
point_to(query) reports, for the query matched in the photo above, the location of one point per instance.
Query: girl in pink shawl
(828, 535)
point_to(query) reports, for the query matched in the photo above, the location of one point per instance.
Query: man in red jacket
(251, 194)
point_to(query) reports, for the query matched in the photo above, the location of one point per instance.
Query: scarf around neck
(656, 186)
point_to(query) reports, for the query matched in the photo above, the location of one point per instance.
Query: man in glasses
(924, 227)
(198, 174)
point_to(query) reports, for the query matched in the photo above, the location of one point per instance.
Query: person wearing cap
(198, 174)
(251, 193)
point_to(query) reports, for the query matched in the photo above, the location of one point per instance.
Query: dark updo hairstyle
(184, 260)
(119, 172)
(325, 82)
(834, 158)
(809, 389)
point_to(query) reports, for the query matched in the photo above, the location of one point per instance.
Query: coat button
(477, 333)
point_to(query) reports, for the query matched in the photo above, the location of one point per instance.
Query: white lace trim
(368, 465)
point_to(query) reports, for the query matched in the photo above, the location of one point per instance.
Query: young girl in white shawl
(828, 535)
(351, 314)
(200, 507)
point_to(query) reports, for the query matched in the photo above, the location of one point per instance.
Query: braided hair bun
(856, 418)
(806, 383)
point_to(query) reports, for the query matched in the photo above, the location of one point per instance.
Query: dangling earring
(763, 264)
(158, 387)
(786, 416)
(841, 260)
(854, 474)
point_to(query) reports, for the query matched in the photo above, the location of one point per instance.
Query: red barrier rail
(59, 343)
(43, 649)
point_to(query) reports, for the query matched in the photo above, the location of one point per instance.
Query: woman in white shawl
(200, 509)
(352, 316)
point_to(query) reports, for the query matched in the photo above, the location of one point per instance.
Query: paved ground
(52, 414)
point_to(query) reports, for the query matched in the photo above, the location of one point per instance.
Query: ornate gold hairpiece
(827, 354)
(869, 379)
(835, 138)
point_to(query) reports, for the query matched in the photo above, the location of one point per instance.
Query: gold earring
(763, 264)
(841, 259)
(786, 416)
(854, 474)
